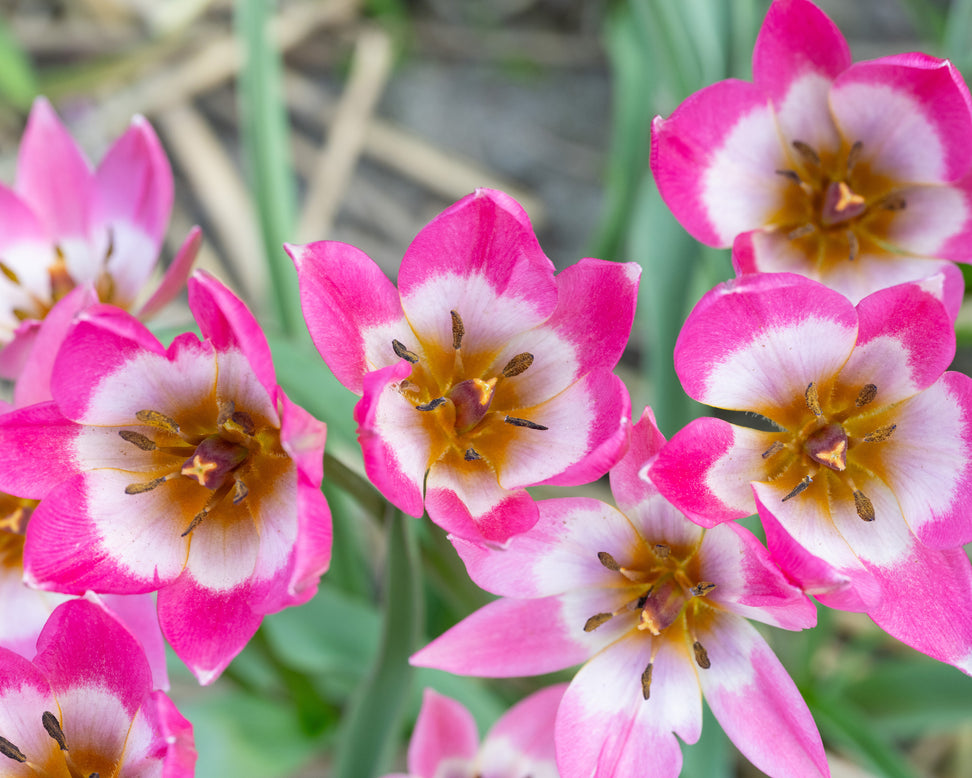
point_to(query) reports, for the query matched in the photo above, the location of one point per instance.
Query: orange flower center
(79, 763)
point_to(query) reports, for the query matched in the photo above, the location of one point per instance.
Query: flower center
(829, 446)
(837, 205)
(463, 406)
(218, 459)
(50, 765)
(14, 513)
(664, 598)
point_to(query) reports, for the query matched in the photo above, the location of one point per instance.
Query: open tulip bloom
(857, 175)
(183, 470)
(482, 373)
(85, 705)
(863, 473)
(445, 743)
(65, 225)
(658, 609)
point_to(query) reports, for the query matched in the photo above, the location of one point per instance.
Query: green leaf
(712, 756)
(18, 81)
(374, 719)
(958, 33)
(265, 132)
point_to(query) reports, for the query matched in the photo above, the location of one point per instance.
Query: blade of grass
(266, 143)
(18, 82)
(374, 719)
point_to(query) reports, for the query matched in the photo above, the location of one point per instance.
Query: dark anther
(9, 273)
(156, 419)
(661, 550)
(866, 395)
(863, 506)
(854, 155)
(240, 491)
(776, 448)
(644, 599)
(524, 423)
(457, 330)
(196, 521)
(11, 751)
(431, 405)
(137, 439)
(702, 588)
(596, 621)
(801, 232)
(145, 486)
(853, 245)
(53, 727)
(894, 202)
(518, 364)
(813, 401)
(806, 152)
(792, 175)
(880, 434)
(608, 561)
(95, 775)
(701, 655)
(646, 682)
(403, 353)
(804, 483)
(471, 455)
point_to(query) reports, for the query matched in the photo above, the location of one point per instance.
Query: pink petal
(511, 637)
(525, 733)
(24, 696)
(630, 484)
(23, 611)
(14, 354)
(707, 467)
(314, 539)
(137, 613)
(751, 694)
(558, 554)
(351, 308)
(606, 727)
(747, 581)
(36, 445)
(936, 222)
(226, 321)
(796, 39)
(714, 160)
(53, 176)
(394, 442)
(444, 732)
(206, 628)
(480, 258)
(302, 437)
(180, 754)
(756, 342)
(175, 276)
(927, 141)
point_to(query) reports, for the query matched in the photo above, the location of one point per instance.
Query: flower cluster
(172, 493)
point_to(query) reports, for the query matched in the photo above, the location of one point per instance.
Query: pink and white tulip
(445, 743)
(657, 607)
(862, 473)
(185, 471)
(85, 705)
(65, 225)
(482, 373)
(858, 175)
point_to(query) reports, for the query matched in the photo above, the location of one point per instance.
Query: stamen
(776, 448)
(11, 751)
(808, 154)
(853, 245)
(894, 202)
(863, 506)
(145, 486)
(524, 423)
(457, 330)
(240, 491)
(9, 273)
(432, 405)
(802, 231)
(518, 364)
(804, 483)
(646, 681)
(471, 455)
(196, 521)
(813, 401)
(137, 439)
(157, 419)
(608, 561)
(854, 155)
(661, 550)
(403, 353)
(53, 727)
(596, 621)
(880, 434)
(866, 395)
(702, 588)
(701, 655)
(792, 175)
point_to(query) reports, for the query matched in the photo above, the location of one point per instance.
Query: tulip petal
(444, 731)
